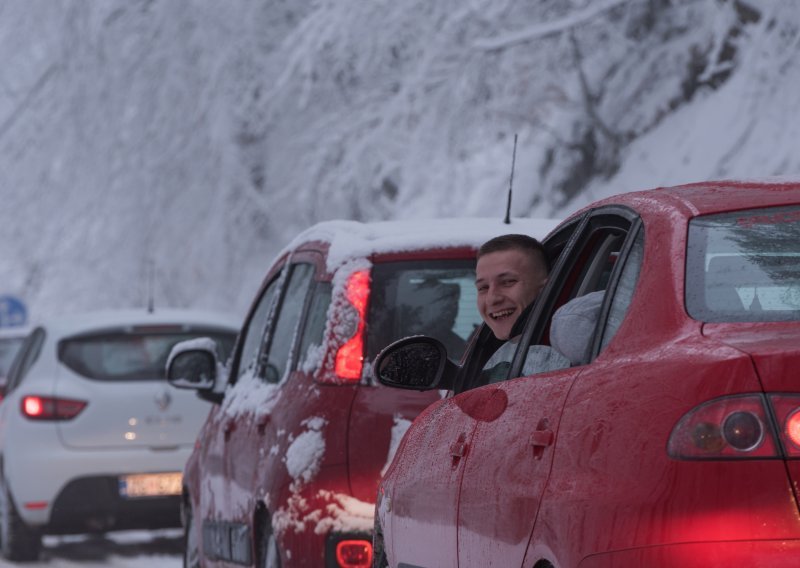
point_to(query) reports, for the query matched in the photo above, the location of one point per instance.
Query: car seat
(573, 325)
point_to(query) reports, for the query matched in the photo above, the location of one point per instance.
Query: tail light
(51, 408)
(350, 356)
(354, 554)
(725, 428)
(787, 417)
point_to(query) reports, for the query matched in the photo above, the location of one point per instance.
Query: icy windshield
(133, 355)
(434, 298)
(744, 266)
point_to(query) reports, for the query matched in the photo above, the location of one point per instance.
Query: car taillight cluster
(51, 408)
(350, 356)
(740, 426)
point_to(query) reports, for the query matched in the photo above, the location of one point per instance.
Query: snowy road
(129, 549)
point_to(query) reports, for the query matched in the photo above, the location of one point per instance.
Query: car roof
(715, 196)
(86, 322)
(353, 239)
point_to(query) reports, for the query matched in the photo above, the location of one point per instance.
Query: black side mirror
(415, 363)
(190, 367)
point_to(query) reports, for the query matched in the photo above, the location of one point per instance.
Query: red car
(286, 468)
(672, 436)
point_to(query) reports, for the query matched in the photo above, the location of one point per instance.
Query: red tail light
(787, 416)
(724, 428)
(354, 554)
(350, 356)
(50, 408)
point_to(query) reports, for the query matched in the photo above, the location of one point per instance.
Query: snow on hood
(352, 239)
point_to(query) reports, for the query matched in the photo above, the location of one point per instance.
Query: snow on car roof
(89, 321)
(353, 239)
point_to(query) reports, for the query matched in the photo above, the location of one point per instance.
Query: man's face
(507, 282)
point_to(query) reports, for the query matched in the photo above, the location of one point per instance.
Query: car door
(511, 456)
(225, 455)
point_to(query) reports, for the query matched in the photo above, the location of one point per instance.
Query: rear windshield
(9, 346)
(434, 298)
(744, 266)
(132, 355)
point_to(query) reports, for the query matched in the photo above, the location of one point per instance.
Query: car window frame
(26, 358)
(274, 317)
(607, 217)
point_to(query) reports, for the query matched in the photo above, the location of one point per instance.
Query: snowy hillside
(194, 139)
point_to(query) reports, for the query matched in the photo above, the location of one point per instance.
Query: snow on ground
(125, 549)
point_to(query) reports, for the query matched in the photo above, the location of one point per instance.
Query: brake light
(354, 554)
(51, 408)
(729, 427)
(350, 356)
(787, 416)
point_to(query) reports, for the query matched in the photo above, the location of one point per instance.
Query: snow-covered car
(92, 437)
(287, 465)
(672, 435)
(11, 339)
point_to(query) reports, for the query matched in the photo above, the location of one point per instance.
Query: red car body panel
(603, 491)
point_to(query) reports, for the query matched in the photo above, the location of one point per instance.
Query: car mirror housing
(415, 363)
(193, 369)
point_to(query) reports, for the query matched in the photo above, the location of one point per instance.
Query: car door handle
(458, 449)
(542, 438)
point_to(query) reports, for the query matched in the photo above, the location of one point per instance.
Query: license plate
(150, 485)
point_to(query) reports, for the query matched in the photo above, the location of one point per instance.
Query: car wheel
(18, 542)
(191, 546)
(268, 556)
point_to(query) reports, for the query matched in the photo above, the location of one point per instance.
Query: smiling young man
(511, 272)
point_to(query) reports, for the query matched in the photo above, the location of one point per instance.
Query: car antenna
(507, 220)
(151, 276)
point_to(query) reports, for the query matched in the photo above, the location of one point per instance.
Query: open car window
(584, 291)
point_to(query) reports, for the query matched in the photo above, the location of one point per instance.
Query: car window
(434, 298)
(283, 335)
(568, 313)
(314, 328)
(125, 355)
(743, 266)
(9, 347)
(624, 290)
(27, 357)
(255, 330)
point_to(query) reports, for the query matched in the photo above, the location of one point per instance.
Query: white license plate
(150, 485)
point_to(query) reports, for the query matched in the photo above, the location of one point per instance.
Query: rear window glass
(744, 266)
(434, 298)
(136, 355)
(9, 347)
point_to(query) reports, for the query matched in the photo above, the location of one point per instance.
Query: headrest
(573, 326)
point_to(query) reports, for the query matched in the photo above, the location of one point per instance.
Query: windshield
(9, 346)
(131, 355)
(434, 298)
(744, 266)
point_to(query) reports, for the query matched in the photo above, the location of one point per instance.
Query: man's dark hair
(516, 242)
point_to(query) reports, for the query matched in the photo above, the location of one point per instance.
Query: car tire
(268, 554)
(191, 544)
(18, 542)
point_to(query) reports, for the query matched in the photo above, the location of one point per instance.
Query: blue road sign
(12, 312)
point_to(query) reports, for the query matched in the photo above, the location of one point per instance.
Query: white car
(92, 437)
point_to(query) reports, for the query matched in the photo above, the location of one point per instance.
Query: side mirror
(415, 363)
(193, 365)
